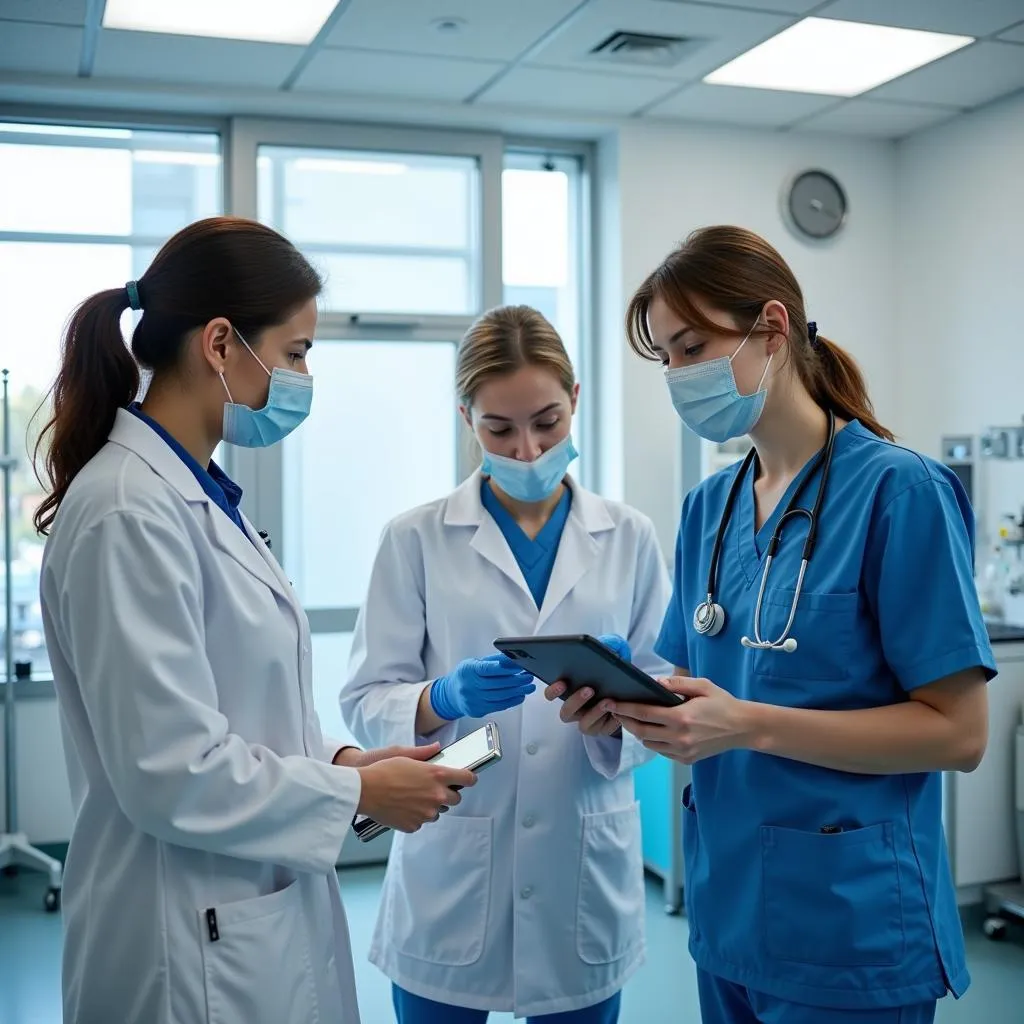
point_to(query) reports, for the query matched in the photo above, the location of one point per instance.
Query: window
(543, 248)
(392, 233)
(81, 209)
(542, 240)
(381, 439)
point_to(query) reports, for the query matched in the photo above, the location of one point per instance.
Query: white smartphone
(474, 752)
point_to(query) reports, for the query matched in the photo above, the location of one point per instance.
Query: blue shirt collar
(216, 484)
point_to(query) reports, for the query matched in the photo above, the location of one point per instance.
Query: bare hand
(404, 793)
(595, 721)
(709, 722)
(353, 757)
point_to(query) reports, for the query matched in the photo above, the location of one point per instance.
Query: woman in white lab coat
(530, 896)
(200, 883)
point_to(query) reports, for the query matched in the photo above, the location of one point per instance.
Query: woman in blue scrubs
(817, 884)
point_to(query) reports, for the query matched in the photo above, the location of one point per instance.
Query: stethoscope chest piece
(709, 618)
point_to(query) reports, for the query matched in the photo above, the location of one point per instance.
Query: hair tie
(132, 288)
(812, 334)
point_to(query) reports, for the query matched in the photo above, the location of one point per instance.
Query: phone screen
(462, 753)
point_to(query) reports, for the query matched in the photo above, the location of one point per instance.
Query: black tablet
(582, 661)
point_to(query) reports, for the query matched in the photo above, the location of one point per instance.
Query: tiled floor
(663, 992)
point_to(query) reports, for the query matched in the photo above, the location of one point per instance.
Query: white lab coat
(200, 778)
(529, 896)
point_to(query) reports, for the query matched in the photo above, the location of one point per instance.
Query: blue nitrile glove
(617, 645)
(479, 687)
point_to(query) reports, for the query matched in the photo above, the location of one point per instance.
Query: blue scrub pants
(722, 1002)
(410, 1009)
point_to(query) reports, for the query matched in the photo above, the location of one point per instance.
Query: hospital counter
(978, 809)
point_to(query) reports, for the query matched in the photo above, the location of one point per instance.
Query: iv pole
(15, 849)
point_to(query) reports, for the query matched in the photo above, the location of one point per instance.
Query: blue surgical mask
(531, 481)
(708, 400)
(288, 403)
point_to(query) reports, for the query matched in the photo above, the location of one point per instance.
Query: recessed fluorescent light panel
(835, 58)
(261, 21)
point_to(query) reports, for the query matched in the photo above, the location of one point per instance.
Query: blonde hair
(505, 339)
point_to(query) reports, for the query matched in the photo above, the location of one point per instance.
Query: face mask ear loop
(225, 383)
(760, 383)
(251, 352)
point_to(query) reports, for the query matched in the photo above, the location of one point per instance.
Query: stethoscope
(709, 616)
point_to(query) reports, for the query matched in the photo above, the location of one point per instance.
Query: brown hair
(737, 272)
(222, 266)
(503, 340)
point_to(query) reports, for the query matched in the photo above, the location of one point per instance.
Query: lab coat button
(531, 748)
(526, 893)
(528, 821)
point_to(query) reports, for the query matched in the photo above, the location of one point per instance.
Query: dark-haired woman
(828, 684)
(210, 809)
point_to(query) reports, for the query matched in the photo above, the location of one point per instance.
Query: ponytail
(98, 376)
(836, 383)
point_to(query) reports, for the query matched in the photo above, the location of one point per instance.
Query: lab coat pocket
(823, 629)
(257, 960)
(438, 906)
(833, 899)
(610, 906)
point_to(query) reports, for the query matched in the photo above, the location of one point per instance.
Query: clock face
(817, 204)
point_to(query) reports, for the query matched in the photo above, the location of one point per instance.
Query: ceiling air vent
(644, 49)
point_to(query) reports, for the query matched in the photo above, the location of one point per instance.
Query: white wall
(960, 308)
(671, 180)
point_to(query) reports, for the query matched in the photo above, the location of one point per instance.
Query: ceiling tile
(489, 29)
(1014, 35)
(726, 31)
(976, 18)
(43, 49)
(967, 78)
(771, 6)
(49, 12)
(553, 89)
(726, 104)
(376, 74)
(191, 59)
(877, 119)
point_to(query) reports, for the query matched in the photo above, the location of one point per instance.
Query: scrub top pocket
(823, 628)
(832, 899)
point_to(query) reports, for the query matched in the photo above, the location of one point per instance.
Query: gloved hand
(617, 645)
(479, 687)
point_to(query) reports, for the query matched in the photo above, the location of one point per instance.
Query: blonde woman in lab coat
(529, 897)
(210, 810)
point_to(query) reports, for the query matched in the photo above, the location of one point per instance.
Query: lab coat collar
(577, 549)
(137, 436)
(465, 508)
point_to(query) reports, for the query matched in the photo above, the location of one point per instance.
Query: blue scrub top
(536, 556)
(862, 914)
(216, 484)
